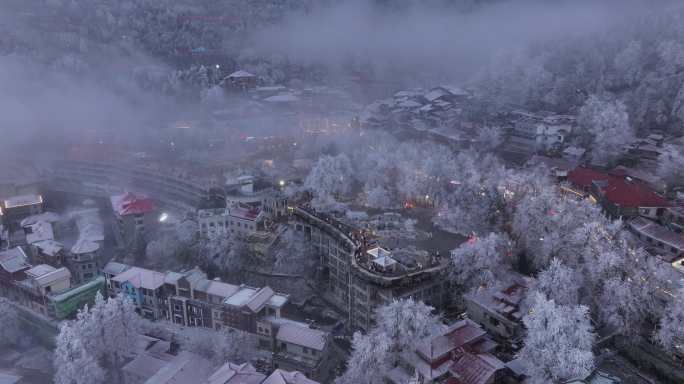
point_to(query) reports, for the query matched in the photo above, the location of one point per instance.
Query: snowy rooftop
(84, 246)
(252, 214)
(53, 276)
(49, 247)
(39, 231)
(23, 200)
(132, 204)
(230, 373)
(285, 377)
(282, 98)
(240, 74)
(241, 297)
(657, 232)
(144, 366)
(260, 299)
(217, 288)
(14, 260)
(381, 257)
(302, 336)
(141, 278)
(114, 268)
(277, 301)
(40, 270)
(186, 368)
(49, 217)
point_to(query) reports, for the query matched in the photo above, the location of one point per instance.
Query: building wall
(316, 365)
(57, 286)
(491, 321)
(83, 267)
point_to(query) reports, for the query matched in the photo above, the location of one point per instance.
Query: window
(283, 346)
(494, 321)
(306, 350)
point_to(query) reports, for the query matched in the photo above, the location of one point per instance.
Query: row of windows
(222, 224)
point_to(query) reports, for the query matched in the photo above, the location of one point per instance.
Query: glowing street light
(281, 183)
(163, 217)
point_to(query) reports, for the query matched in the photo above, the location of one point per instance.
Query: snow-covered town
(341, 192)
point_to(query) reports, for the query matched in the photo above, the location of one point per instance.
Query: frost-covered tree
(108, 332)
(544, 221)
(400, 325)
(670, 333)
(559, 341)
(559, 283)
(480, 261)
(294, 256)
(671, 165)
(74, 364)
(330, 177)
(230, 255)
(606, 123)
(628, 296)
(10, 331)
(406, 322)
(368, 363)
(473, 200)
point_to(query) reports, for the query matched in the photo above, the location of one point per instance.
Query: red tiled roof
(132, 204)
(469, 368)
(618, 189)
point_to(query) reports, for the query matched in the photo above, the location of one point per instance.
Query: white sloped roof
(241, 73)
(14, 260)
(280, 376)
(49, 247)
(305, 337)
(53, 276)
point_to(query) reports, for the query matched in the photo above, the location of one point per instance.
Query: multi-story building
(109, 271)
(144, 287)
(43, 288)
(49, 252)
(497, 309)
(461, 354)
(135, 216)
(361, 277)
(41, 282)
(188, 298)
(213, 222)
(300, 348)
(14, 209)
(83, 260)
(618, 194)
(241, 220)
(658, 239)
(14, 263)
(257, 193)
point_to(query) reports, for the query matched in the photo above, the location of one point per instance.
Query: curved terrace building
(106, 179)
(362, 277)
